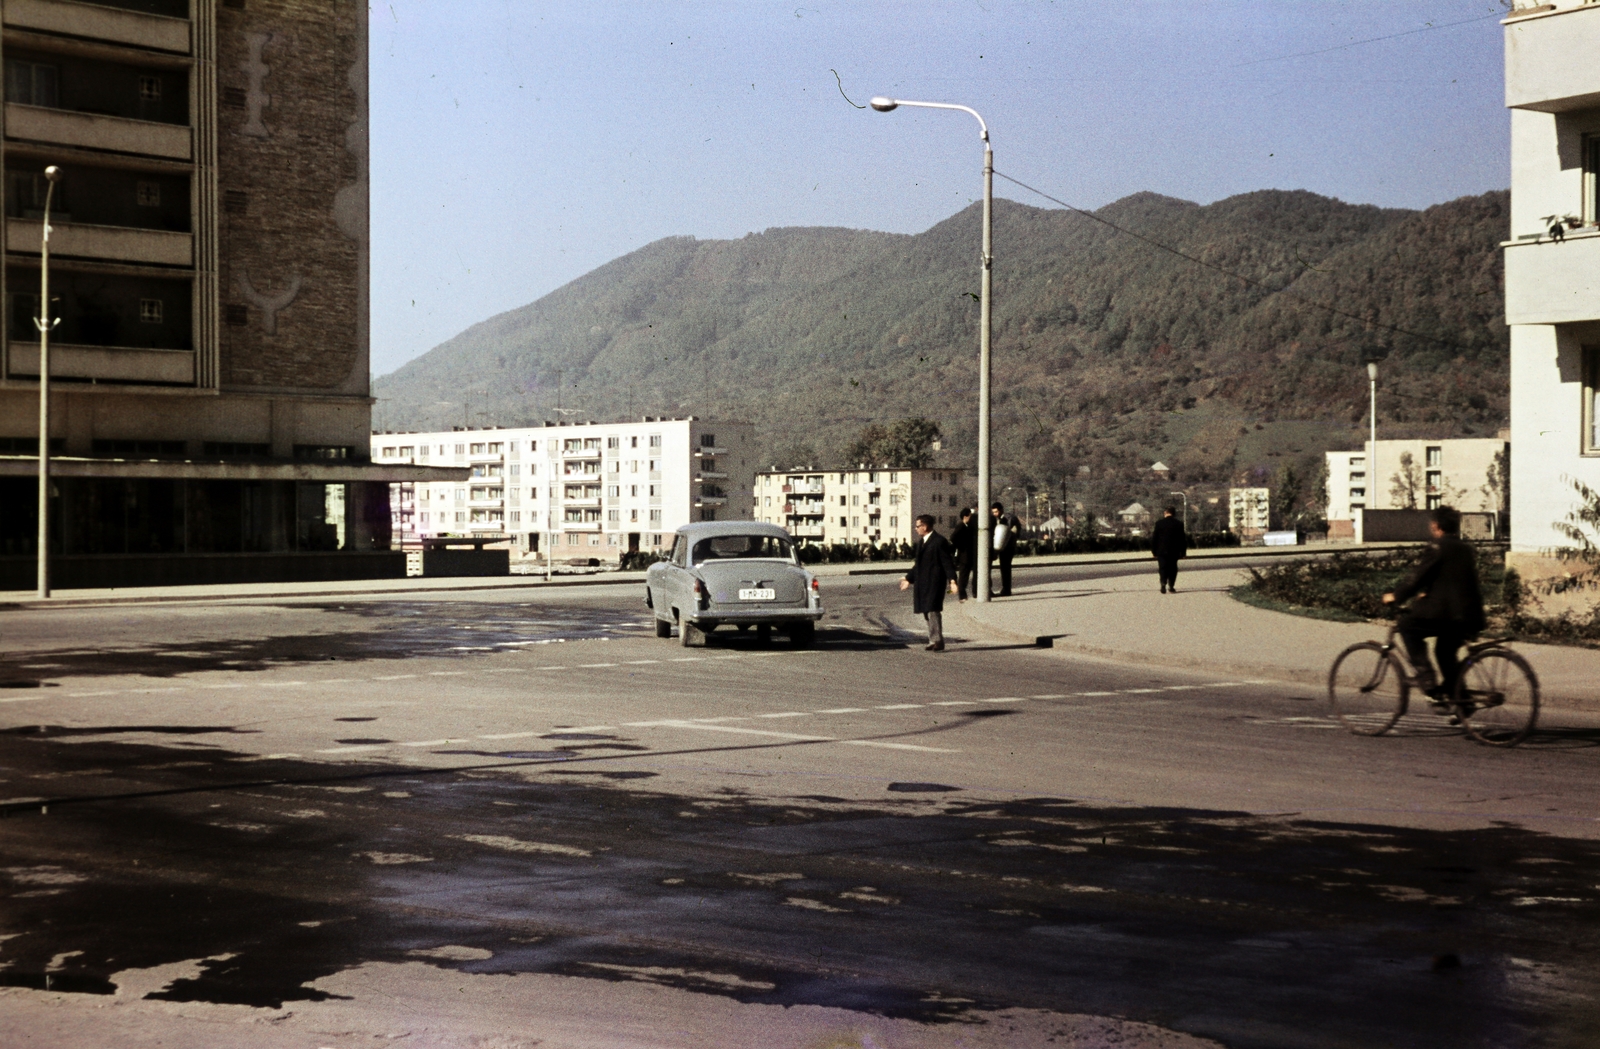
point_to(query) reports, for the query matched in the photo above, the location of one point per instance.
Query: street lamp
(1185, 497)
(1372, 356)
(985, 530)
(43, 322)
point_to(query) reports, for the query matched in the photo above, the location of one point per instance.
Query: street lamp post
(1185, 497)
(43, 322)
(985, 528)
(1372, 356)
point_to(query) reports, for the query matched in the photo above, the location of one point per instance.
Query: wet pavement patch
(1256, 931)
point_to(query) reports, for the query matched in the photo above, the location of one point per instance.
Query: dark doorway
(633, 542)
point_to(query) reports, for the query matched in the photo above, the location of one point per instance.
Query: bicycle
(1496, 698)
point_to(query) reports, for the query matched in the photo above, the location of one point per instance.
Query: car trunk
(724, 580)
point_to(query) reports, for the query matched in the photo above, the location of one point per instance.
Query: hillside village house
(575, 489)
(1552, 268)
(1462, 472)
(210, 401)
(867, 505)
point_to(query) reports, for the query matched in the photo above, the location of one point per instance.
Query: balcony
(711, 500)
(116, 243)
(804, 488)
(580, 526)
(584, 501)
(1554, 283)
(1550, 56)
(704, 450)
(703, 478)
(580, 453)
(486, 500)
(106, 363)
(806, 531)
(95, 22)
(93, 131)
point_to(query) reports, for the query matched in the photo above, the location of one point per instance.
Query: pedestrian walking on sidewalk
(965, 541)
(1169, 543)
(1007, 529)
(932, 574)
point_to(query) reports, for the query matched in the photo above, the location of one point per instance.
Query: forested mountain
(1109, 353)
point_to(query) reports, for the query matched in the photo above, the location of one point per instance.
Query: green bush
(639, 560)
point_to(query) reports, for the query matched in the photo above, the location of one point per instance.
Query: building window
(235, 201)
(516, 469)
(31, 83)
(1591, 400)
(613, 442)
(1591, 178)
(148, 194)
(655, 519)
(149, 89)
(1434, 454)
(655, 490)
(516, 517)
(633, 515)
(496, 447)
(708, 440)
(894, 522)
(1358, 493)
(614, 490)
(655, 440)
(151, 311)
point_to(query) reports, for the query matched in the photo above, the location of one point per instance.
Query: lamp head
(52, 173)
(1372, 370)
(883, 105)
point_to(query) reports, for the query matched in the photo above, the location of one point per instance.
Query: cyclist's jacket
(1447, 580)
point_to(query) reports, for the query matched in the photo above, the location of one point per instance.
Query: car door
(679, 592)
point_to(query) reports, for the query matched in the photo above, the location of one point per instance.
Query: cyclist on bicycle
(1449, 603)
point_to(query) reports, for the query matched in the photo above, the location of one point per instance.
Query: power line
(1370, 40)
(1227, 272)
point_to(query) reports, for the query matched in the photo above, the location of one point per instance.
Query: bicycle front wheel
(1367, 689)
(1497, 695)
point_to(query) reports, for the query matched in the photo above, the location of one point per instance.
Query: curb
(1231, 553)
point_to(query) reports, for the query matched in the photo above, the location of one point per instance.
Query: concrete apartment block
(574, 490)
(862, 506)
(1552, 269)
(1456, 472)
(209, 266)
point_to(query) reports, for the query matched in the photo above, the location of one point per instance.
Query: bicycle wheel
(1497, 696)
(1367, 689)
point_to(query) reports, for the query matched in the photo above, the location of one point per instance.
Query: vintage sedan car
(739, 573)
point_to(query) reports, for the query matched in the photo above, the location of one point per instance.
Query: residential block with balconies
(576, 490)
(863, 506)
(1552, 269)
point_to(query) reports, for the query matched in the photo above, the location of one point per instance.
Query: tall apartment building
(1552, 268)
(1250, 509)
(862, 506)
(1459, 472)
(209, 266)
(576, 490)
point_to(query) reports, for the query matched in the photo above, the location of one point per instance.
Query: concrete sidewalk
(1128, 618)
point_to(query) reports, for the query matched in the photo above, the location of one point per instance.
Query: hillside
(1108, 354)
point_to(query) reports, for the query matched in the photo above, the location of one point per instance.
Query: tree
(1406, 483)
(1286, 497)
(908, 442)
(1497, 484)
(795, 454)
(1581, 523)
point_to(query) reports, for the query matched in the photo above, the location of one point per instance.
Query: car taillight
(700, 596)
(816, 585)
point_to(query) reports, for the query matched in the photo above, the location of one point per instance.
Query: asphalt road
(505, 819)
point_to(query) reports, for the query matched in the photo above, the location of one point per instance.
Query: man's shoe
(1163, 590)
(937, 646)
(1172, 590)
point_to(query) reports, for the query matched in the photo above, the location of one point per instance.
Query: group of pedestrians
(948, 565)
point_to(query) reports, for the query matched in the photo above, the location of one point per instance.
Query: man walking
(965, 541)
(1168, 542)
(932, 574)
(1006, 529)
(1449, 605)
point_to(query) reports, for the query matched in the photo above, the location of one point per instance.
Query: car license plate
(758, 594)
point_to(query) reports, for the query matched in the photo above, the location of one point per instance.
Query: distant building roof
(1160, 468)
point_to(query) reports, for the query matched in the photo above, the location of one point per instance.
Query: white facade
(1552, 285)
(577, 490)
(862, 506)
(1456, 472)
(1249, 509)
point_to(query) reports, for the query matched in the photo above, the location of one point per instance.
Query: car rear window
(743, 547)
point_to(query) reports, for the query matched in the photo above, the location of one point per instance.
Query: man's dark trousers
(1004, 557)
(1452, 634)
(964, 579)
(1167, 568)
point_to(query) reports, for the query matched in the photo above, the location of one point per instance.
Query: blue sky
(517, 145)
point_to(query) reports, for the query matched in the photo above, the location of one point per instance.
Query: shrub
(639, 560)
(1354, 582)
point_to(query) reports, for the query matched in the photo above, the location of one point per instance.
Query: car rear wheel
(663, 628)
(803, 635)
(690, 635)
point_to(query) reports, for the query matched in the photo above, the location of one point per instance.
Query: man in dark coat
(965, 541)
(1168, 542)
(1449, 605)
(933, 573)
(1006, 548)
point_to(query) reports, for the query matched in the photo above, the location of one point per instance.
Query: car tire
(663, 628)
(803, 635)
(690, 636)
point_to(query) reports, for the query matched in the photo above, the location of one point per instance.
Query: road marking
(282, 684)
(394, 677)
(35, 699)
(731, 728)
(434, 742)
(791, 714)
(897, 746)
(232, 685)
(842, 710)
(447, 673)
(353, 750)
(1004, 699)
(1050, 696)
(713, 721)
(1138, 691)
(1094, 693)
(639, 662)
(507, 670)
(684, 659)
(900, 706)
(951, 703)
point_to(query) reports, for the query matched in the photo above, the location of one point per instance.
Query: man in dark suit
(1168, 542)
(933, 573)
(1006, 531)
(965, 542)
(1449, 605)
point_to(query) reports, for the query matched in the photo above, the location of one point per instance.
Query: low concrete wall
(439, 563)
(90, 571)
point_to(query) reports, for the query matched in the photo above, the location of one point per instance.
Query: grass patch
(1246, 594)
